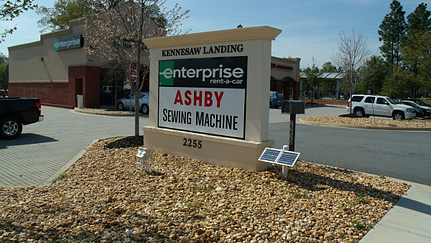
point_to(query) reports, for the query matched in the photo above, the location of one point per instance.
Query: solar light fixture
(282, 157)
(142, 157)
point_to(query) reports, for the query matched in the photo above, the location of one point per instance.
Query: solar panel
(279, 156)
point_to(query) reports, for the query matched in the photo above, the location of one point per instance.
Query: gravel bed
(106, 197)
(370, 122)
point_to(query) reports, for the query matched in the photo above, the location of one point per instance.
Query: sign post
(133, 75)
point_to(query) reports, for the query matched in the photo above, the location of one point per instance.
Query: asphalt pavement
(47, 149)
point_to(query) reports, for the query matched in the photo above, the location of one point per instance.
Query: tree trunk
(138, 70)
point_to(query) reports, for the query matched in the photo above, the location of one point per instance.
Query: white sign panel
(204, 95)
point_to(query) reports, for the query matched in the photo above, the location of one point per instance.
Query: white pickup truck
(375, 105)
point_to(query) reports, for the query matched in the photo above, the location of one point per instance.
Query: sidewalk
(408, 221)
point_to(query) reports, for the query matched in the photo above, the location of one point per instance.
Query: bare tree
(352, 55)
(117, 35)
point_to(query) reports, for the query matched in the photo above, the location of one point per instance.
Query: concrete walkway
(408, 221)
(46, 149)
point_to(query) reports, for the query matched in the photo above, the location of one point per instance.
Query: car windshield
(279, 95)
(391, 101)
(411, 104)
(131, 96)
(420, 102)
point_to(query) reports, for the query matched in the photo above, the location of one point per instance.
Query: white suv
(375, 105)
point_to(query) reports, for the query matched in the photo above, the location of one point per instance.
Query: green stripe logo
(166, 73)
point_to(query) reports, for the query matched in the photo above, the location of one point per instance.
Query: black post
(292, 132)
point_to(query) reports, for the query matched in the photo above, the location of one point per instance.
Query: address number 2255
(192, 143)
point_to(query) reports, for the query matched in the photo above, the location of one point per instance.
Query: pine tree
(415, 51)
(393, 33)
(420, 19)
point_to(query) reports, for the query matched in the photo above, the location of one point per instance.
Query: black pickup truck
(16, 112)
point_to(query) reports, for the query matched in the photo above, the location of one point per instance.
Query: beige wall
(280, 72)
(25, 64)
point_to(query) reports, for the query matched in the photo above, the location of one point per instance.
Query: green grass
(194, 205)
(299, 195)
(358, 225)
(60, 177)
(362, 200)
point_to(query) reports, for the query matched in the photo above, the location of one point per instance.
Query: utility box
(80, 101)
(293, 107)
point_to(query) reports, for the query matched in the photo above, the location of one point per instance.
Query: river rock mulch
(370, 122)
(106, 197)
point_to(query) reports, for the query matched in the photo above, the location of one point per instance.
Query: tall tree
(3, 58)
(329, 67)
(420, 19)
(352, 54)
(63, 11)
(12, 9)
(118, 35)
(393, 32)
(416, 67)
(374, 73)
(415, 51)
(4, 71)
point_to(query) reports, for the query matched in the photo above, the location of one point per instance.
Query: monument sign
(209, 95)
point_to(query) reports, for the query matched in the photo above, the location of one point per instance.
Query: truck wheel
(121, 106)
(359, 112)
(144, 109)
(398, 115)
(11, 127)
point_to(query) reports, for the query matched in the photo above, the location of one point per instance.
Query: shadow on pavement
(414, 205)
(25, 139)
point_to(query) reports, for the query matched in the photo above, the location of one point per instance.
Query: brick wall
(83, 80)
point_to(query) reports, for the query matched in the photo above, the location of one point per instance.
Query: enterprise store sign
(69, 43)
(204, 95)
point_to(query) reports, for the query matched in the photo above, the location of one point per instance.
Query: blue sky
(310, 28)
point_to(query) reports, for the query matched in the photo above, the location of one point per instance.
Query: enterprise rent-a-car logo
(207, 72)
(204, 95)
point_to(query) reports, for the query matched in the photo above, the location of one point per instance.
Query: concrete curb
(95, 112)
(301, 121)
(65, 167)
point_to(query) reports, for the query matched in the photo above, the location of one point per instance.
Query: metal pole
(292, 132)
(284, 171)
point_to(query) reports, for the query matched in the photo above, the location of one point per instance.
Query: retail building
(57, 68)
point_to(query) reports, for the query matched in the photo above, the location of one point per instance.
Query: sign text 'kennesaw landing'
(187, 51)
